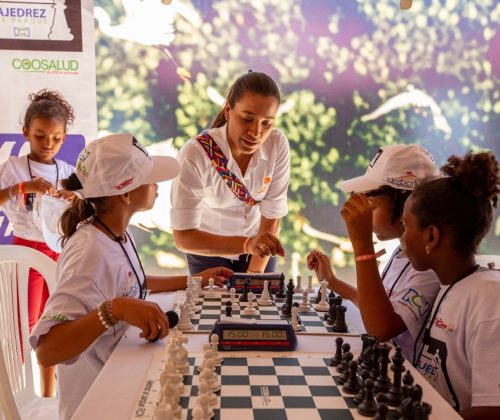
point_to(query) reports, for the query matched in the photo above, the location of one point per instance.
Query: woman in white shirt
(231, 193)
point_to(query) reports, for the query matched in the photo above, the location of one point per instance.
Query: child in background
(444, 221)
(21, 177)
(100, 278)
(392, 305)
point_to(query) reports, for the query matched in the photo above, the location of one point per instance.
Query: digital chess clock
(237, 281)
(250, 334)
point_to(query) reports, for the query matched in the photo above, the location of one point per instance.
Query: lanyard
(30, 196)
(400, 274)
(142, 287)
(424, 325)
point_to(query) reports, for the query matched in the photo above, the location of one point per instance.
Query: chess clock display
(248, 335)
(256, 285)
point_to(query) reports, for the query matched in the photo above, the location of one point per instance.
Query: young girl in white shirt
(101, 283)
(45, 125)
(445, 220)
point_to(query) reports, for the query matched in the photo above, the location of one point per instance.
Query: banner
(46, 44)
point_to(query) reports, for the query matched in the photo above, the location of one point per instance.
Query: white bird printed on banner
(218, 99)
(412, 97)
(150, 23)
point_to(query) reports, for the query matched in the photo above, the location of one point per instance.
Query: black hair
(462, 202)
(396, 196)
(79, 211)
(252, 81)
(48, 104)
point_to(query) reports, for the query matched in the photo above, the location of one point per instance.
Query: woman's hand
(220, 275)
(358, 217)
(66, 195)
(265, 245)
(147, 316)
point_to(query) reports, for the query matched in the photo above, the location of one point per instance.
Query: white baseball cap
(117, 164)
(399, 166)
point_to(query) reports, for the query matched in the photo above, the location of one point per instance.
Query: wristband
(104, 313)
(245, 244)
(369, 257)
(22, 192)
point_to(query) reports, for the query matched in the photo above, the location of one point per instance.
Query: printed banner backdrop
(46, 44)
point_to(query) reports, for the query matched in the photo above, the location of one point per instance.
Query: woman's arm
(258, 264)
(170, 283)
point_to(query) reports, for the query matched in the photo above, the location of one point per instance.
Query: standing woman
(231, 193)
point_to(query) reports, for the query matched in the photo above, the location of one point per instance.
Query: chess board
(262, 388)
(214, 308)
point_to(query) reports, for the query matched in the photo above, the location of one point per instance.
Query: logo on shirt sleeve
(416, 300)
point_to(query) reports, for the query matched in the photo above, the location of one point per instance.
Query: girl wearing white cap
(393, 304)
(232, 189)
(100, 279)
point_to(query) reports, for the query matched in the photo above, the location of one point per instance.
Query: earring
(428, 249)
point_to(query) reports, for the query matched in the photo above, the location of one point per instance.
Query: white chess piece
(163, 412)
(184, 321)
(214, 341)
(310, 287)
(250, 310)
(60, 30)
(182, 364)
(298, 288)
(305, 306)
(264, 297)
(205, 400)
(295, 319)
(234, 304)
(210, 292)
(199, 281)
(190, 303)
(323, 306)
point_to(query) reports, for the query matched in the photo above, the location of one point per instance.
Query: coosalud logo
(46, 65)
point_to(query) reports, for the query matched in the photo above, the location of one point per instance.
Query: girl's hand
(358, 217)
(265, 245)
(220, 275)
(39, 185)
(66, 195)
(321, 264)
(145, 315)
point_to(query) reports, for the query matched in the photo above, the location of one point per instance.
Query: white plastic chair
(488, 260)
(15, 263)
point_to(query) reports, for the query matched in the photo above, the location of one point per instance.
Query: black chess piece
(340, 325)
(318, 296)
(280, 294)
(395, 394)
(286, 309)
(367, 357)
(332, 312)
(383, 382)
(382, 407)
(425, 412)
(358, 398)
(337, 358)
(246, 289)
(229, 308)
(351, 386)
(407, 383)
(270, 289)
(368, 407)
(331, 295)
(345, 348)
(346, 359)
(364, 340)
(374, 372)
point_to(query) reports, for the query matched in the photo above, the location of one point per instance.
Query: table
(114, 393)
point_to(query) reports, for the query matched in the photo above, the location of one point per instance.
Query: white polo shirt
(461, 354)
(202, 200)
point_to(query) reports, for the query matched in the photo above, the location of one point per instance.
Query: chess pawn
(346, 359)
(359, 397)
(295, 322)
(310, 287)
(337, 358)
(351, 386)
(203, 401)
(368, 407)
(214, 342)
(210, 292)
(345, 348)
(246, 289)
(304, 306)
(382, 407)
(229, 308)
(163, 412)
(190, 303)
(298, 288)
(232, 293)
(281, 291)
